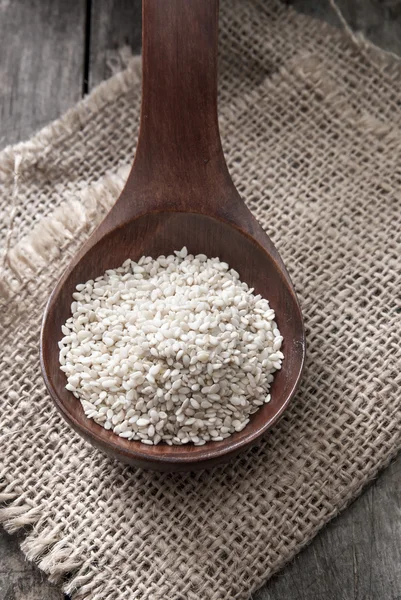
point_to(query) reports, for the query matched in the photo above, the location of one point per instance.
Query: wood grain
(41, 65)
(19, 579)
(115, 24)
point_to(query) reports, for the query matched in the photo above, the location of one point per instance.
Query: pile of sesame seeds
(175, 349)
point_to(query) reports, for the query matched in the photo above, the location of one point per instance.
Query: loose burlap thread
(312, 134)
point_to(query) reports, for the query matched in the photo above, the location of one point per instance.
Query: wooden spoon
(179, 193)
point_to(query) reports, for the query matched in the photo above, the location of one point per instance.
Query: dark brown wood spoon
(179, 193)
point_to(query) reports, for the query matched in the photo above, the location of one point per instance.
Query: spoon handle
(179, 152)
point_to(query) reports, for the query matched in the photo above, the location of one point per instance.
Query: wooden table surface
(51, 53)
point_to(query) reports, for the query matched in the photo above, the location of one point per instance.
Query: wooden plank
(41, 66)
(114, 24)
(19, 579)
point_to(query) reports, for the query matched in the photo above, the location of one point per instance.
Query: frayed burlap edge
(79, 212)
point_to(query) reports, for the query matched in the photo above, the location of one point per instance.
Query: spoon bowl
(179, 193)
(162, 233)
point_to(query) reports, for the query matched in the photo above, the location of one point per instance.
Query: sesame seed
(175, 349)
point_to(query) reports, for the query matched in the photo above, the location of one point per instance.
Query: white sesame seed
(175, 350)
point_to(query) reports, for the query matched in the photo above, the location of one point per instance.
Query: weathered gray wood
(114, 24)
(42, 53)
(20, 580)
(41, 63)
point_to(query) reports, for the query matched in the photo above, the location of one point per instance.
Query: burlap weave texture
(312, 134)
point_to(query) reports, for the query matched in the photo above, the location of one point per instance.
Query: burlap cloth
(311, 127)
